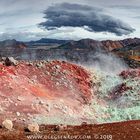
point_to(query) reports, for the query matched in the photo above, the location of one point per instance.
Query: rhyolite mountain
(12, 44)
(92, 50)
(107, 45)
(80, 51)
(82, 44)
(12, 48)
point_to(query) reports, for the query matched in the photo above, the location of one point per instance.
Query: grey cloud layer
(127, 7)
(76, 15)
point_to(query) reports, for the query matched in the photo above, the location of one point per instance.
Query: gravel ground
(129, 130)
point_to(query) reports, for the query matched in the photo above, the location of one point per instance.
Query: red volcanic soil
(30, 88)
(129, 130)
(132, 73)
(54, 79)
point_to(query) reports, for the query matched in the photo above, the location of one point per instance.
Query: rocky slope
(43, 88)
(55, 92)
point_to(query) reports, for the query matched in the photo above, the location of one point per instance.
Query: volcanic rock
(20, 98)
(60, 127)
(131, 73)
(8, 124)
(18, 114)
(10, 61)
(34, 127)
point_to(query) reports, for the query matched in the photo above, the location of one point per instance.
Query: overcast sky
(26, 20)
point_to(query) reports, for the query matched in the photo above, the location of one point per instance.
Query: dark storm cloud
(76, 15)
(127, 7)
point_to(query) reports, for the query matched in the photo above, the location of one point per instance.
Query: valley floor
(129, 130)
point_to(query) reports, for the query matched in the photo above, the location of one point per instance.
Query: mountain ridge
(82, 50)
(109, 45)
(12, 43)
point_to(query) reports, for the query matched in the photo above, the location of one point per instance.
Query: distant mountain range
(107, 45)
(89, 49)
(82, 50)
(46, 42)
